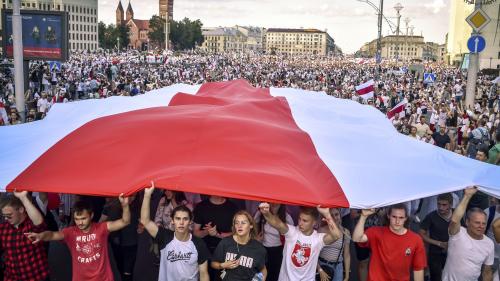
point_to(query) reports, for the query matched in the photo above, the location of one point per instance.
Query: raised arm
(45, 236)
(334, 231)
(124, 220)
(459, 212)
(146, 221)
(33, 213)
(272, 219)
(358, 234)
(496, 230)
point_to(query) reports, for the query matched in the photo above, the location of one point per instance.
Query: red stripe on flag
(396, 110)
(230, 140)
(366, 90)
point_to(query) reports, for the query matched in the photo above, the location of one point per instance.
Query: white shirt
(179, 261)
(300, 255)
(466, 256)
(271, 236)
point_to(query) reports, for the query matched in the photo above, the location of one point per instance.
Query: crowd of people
(160, 234)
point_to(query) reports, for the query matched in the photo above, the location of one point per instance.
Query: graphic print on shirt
(173, 256)
(408, 252)
(301, 253)
(244, 260)
(87, 248)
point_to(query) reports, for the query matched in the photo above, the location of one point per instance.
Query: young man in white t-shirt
(184, 257)
(468, 248)
(303, 243)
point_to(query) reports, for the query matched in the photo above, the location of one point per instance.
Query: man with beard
(87, 241)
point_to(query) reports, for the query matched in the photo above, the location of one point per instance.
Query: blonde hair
(253, 229)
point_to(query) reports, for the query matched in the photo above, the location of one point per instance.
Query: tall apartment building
(167, 8)
(298, 41)
(82, 22)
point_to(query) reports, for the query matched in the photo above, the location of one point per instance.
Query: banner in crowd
(230, 139)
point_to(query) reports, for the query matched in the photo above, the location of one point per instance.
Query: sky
(351, 23)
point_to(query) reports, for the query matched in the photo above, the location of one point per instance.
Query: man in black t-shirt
(434, 231)
(213, 219)
(441, 138)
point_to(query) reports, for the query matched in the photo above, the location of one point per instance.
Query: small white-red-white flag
(397, 109)
(366, 89)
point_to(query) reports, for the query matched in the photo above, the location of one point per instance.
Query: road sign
(478, 19)
(55, 65)
(476, 43)
(429, 78)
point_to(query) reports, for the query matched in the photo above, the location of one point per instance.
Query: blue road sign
(476, 43)
(55, 65)
(429, 78)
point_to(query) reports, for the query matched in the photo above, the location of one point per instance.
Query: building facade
(298, 41)
(402, 47)
(232, 39)
(166, 8)
(459, 32)
(139, 29)
(82, 22)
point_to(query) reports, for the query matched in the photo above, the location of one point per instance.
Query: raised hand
(368, 212)
(150, 190)
(471, 190)
(124, 201)
(264, 208)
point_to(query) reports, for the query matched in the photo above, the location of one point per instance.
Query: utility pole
(378, 56)
(17, 34)
(470, 93)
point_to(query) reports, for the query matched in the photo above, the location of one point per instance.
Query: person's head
(442, 129)
(397, 216)
(244, 224)
(482, 153)
(13, 210)
(413, 130)
(83, 214)
(444, 203)
(307, 219)
(476, 222)
(181, 218)
(422, 119)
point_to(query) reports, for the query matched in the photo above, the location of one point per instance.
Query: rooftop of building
(295, 30)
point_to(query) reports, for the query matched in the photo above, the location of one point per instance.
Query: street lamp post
(398, 9)
(118, 39)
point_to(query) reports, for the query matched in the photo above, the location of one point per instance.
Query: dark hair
(445, 197)
(81, 206)
(262, 220)
(399, 206)
(182, 208)
(313, 212)
(475, 210)
(484, 148)
(11, 201)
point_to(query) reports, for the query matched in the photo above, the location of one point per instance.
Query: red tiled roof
(142, 24)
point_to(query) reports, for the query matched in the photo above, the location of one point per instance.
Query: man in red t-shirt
(395, 249)
(88, 241)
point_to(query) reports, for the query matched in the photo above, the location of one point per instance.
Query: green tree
(157, 30)
(186, 34)
(123, 32)
(101, 30)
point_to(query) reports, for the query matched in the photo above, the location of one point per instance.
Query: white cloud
(435, 6)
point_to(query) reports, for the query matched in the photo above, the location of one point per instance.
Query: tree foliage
(157, 30)
(186, 34)
(109, 34)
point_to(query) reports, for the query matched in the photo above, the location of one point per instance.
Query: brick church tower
(120, 14)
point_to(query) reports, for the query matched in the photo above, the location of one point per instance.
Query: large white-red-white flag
(231, 139)
(366, 90)
(400, 107)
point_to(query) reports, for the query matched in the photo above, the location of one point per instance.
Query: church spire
(130, 12)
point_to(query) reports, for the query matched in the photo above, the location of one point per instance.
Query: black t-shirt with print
(252, 258)
(219, 215)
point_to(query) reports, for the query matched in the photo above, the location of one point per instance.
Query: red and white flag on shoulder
(400, 107)
(366, 90)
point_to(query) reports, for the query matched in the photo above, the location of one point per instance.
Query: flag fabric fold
(282, 145)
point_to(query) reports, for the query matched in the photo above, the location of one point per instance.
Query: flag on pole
(397, 109)
(366, 89)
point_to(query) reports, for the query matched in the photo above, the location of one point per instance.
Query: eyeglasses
(7, 216)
